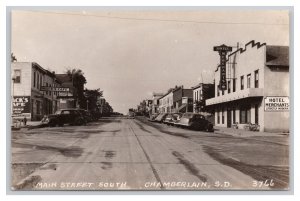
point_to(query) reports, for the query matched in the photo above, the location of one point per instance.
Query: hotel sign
(223, 49)
(277, 104)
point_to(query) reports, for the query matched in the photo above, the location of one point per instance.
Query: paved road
(133, 154)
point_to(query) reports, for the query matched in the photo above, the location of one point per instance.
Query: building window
(17, 76)
(233, 116)
(245, 114)
(256, 79)
(233, 85)
(249, 81)
(41, 81)
(228, 87)
(242, 82)
(256, 114)
(218, 91)
(38, 81)
(223, 120)
(218, 116)
(38, 107)
(222, 92)
(34, 79)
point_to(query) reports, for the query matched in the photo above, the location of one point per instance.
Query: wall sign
(21, 106)
(277, 103)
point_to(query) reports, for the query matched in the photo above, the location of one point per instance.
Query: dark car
(195, 121)
(161, 117)
(64, 116)
(171, 118)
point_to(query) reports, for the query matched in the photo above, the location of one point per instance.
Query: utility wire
(153, 19)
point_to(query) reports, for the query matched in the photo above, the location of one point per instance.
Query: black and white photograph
(150, 99)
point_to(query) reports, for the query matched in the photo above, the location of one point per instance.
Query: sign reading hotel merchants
(223, 49)
(277, 103)
(59, 89)
(21, 106)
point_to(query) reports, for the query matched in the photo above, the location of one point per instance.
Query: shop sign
(277, 103)
(59, 89)
(21, 106)
(223, 49)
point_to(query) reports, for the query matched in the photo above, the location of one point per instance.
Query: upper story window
(218, 91)
(34, 79)
(256, 79)
(17, 76)
(249, 81)
(242, 82)
(229, 87)
(233, 84)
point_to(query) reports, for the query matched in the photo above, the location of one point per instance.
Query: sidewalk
(19, 125)
(245, 133)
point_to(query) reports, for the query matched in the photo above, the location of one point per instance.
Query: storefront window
(218, 117)
(223, 118)
(245, 114)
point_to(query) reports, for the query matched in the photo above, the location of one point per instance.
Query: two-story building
(27, 98)
(154, 107)
(166, 102)
(183, 100)
(257, 88)
(201, 93)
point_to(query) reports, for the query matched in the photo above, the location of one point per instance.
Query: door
(228, 118)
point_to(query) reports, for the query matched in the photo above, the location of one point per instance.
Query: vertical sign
(223, 49)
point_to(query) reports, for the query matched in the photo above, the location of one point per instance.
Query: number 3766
(265, 183)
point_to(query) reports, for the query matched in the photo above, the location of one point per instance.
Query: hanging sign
(223, 49)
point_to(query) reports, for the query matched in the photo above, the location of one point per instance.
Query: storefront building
(27, 98)
(257, 89)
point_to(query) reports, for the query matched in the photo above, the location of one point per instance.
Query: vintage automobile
(171, 118)
(64, 116)
(161, 117)
(195, 121)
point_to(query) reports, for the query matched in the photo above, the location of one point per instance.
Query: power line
(153, 19)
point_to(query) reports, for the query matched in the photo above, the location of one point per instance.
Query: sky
(131, 53)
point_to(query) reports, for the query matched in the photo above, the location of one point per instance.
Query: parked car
(176, 118)
(195, 121)
(161, 117)
(64, 116)
(153, 116)
(171, 117)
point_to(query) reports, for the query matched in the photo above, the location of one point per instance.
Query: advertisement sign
(223, 49)
(21, 106)
(59, 89)
(277, 103)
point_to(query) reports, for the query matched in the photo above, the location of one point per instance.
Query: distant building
(201, 93)
(258, 88)
(28, 100)
(154, 107)
(68, 99)
(166, 102)
(182, 100)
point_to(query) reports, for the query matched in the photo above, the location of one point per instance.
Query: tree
(91, 97)
(13, 58)
(78, 81)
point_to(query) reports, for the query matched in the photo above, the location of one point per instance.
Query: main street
(134, 154)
